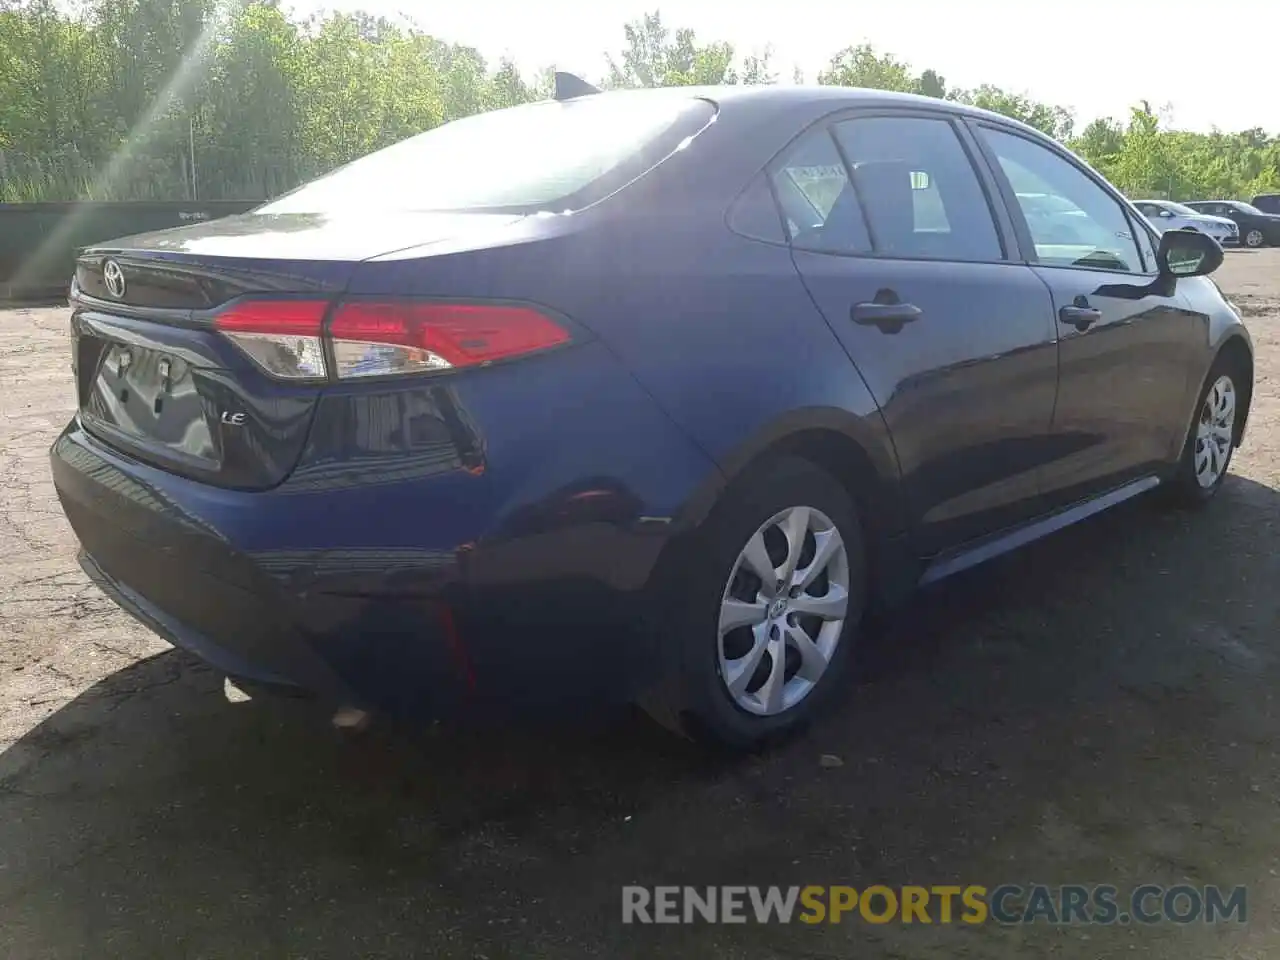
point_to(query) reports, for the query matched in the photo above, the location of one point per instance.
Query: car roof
(799, 96)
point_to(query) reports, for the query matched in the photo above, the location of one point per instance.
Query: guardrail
(39, 241)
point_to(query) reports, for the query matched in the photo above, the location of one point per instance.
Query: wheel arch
(856, 451)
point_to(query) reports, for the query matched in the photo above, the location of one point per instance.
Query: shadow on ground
(1096, 708)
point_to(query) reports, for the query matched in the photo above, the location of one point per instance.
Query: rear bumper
(417, 591)
(179, 634)
(181, 577)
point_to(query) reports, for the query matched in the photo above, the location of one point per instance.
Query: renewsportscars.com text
(1007, 904)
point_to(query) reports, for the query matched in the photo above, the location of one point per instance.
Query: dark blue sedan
(640, 395)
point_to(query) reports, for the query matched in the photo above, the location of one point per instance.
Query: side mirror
(1167, 214)
(1187, 253)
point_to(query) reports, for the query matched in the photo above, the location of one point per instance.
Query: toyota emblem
(113, 277)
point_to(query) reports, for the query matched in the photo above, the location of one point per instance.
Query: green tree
(656, 57)
(1145, 163)
(757, 68)
(1054, 120)
(930, 84)
(1100, 141)
(862, 66)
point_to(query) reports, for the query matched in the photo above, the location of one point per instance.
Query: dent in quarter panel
(722, 333)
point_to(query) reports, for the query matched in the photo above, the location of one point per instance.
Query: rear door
(1127, 346)
(902, 248)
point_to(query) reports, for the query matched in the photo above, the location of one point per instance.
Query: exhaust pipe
(351, 718)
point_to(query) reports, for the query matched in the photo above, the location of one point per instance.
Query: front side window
(1073, 221)
(528, 157)
(921, 195)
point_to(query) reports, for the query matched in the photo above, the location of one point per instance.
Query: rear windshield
(531, 156)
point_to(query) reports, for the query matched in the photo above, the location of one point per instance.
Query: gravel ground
(1100, 707)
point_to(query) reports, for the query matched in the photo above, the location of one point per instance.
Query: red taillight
(284, 337)
(381, 338)
(303, 318)
(394, 337)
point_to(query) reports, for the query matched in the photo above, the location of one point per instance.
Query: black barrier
(39, 241)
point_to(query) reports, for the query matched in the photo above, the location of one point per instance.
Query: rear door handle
(889, 317)
(1080, 316)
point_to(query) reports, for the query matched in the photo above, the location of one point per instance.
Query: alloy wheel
(783, 611)
(1253, 238)
(1214, 432)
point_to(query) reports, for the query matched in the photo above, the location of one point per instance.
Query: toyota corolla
(638, 395)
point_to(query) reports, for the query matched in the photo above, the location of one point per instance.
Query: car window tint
(919, 189)
(1073, 221)
(819, 207)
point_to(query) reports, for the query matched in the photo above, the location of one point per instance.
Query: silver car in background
(1167, 215)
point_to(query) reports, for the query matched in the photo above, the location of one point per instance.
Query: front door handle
(889, 317)
(1080, 315)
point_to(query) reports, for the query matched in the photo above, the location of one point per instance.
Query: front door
(893, 233)
(1127, 343)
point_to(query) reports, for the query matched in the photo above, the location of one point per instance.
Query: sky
(1097, 58)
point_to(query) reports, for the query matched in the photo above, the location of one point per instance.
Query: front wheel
(1210, 442)
(769, 608)
(1254, 239)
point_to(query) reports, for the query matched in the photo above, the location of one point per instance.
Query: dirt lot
(1098, 708)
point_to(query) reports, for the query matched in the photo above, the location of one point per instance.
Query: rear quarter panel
(724, 335)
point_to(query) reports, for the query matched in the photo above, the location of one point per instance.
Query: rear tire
(1210, 442)
(757, 660)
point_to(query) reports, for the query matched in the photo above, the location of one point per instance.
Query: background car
(1267, 202)
(1167, 215)
(657, 413)
(1257, 229)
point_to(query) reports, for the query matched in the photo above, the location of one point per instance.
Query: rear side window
(818, 205)
(919, 191)
(527, 157)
